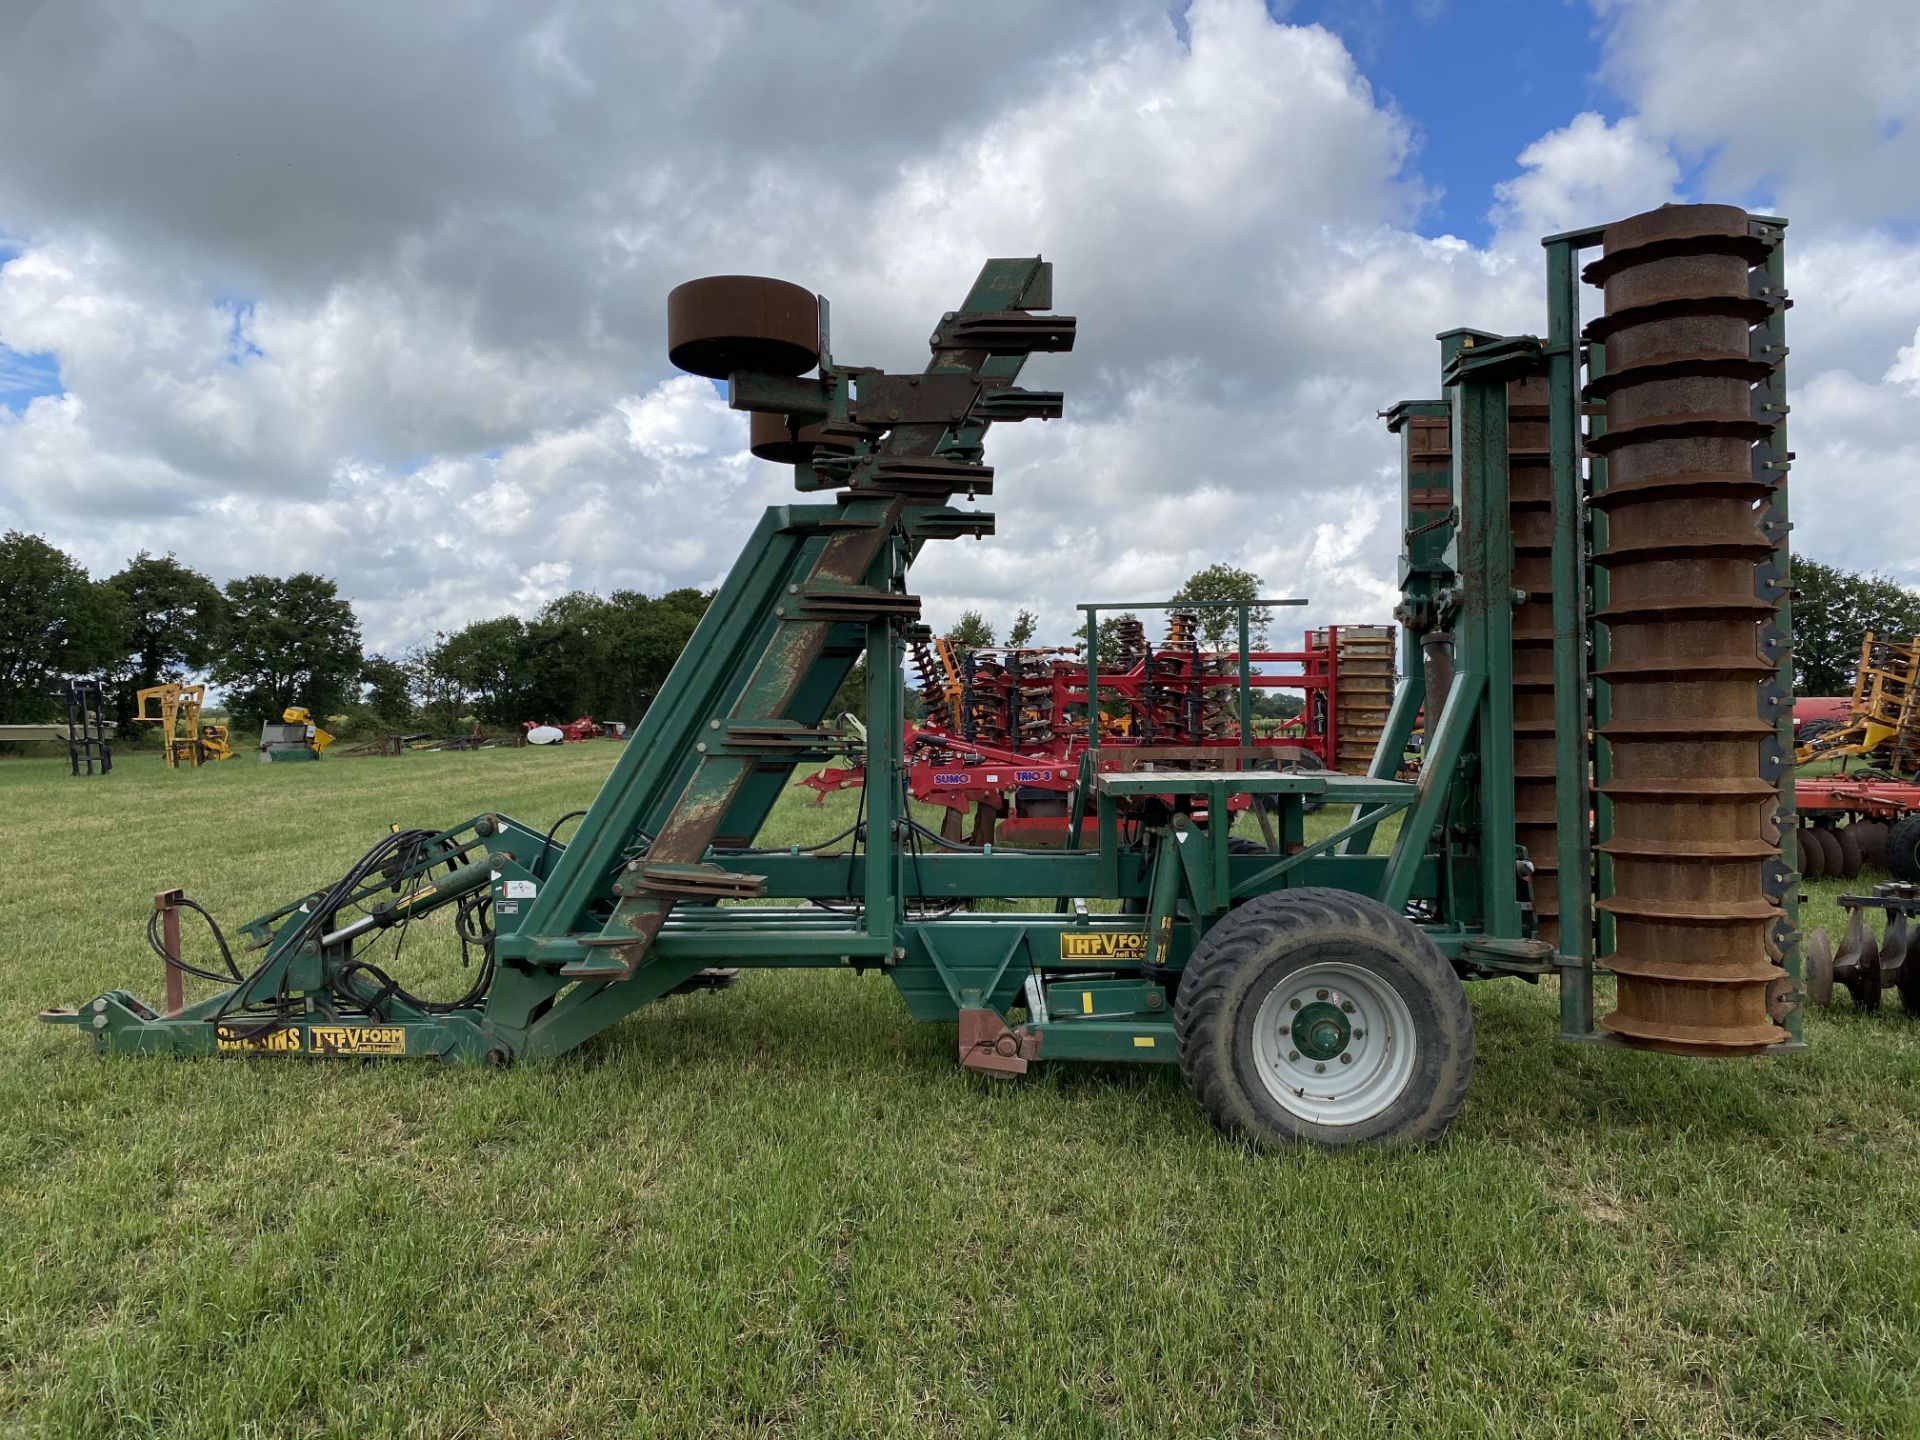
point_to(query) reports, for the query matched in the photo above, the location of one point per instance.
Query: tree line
(268, 642)
(1832, 610)
(582, 654)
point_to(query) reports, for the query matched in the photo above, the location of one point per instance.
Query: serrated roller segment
(1364, 680)
(1694, 817)
(927, 679)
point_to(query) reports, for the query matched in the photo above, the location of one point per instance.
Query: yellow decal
(325, 1040)
(239, 1039)
(356, 1040)
(1086, 1002)
(1102, 944)
(1143, 1042)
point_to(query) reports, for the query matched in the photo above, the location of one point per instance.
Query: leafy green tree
(643, 639)
(289, 641)
(1219, 627)
(851, 698)
(970, 632)
(1109, 636)
(54, 622)
(173, 616)
(485, 667)
(1832, 611)
(441, 701)
(386, 687)
(581, 655)
(1024, 624)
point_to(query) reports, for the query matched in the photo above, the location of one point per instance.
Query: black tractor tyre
(1309, 763)
(1812, 730)
(1227, 1039)
(1310, 804)
(1903, 848)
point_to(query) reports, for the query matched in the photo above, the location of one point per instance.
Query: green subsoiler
(1308, 990)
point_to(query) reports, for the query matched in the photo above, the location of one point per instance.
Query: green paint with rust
(582, 942)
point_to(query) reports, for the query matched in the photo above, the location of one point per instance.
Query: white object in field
(545, 735)
(48, 731)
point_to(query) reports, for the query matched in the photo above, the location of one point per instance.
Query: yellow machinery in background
(296, 737)
(316, 737)
(1883, 717)
(184, 739)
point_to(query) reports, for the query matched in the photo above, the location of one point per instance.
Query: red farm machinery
(1004, 741)
(1858, 759)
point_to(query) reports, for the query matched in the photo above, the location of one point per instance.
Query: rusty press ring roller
(775, 437)
(1695, 834)
(724, 323)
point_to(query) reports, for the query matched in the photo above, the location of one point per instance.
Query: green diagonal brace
(1364, 819)
(1437, 772)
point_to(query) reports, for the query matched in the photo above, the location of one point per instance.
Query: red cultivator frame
(1004, 731)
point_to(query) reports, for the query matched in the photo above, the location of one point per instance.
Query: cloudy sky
(379, 290)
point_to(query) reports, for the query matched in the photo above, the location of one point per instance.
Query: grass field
(784, 1210)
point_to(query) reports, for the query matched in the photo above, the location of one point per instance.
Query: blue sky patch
(240, 346)
(1475, 101)
(24, 378)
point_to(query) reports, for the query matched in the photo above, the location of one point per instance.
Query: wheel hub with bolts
(1334, 1043)
(1321, 1028)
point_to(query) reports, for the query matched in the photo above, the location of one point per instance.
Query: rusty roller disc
(1818, 965)
(725, 323)
(1813, 855)
(1365, 675)
(1851, 855)
(1695, 829)
(1871, 836)
(774, 437)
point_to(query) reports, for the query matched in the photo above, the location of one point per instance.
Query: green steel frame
(661, 881)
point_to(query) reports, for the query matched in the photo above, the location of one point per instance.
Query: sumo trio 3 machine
(1596, 626)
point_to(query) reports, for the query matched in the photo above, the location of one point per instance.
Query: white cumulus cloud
(379, 290)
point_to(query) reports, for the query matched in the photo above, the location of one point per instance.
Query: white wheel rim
(1328, 1084)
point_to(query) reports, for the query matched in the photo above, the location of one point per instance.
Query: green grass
(784, 1209)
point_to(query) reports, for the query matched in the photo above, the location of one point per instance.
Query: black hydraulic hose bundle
(546, 846)
(471, 924)
(232, 977)
(320, 914)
